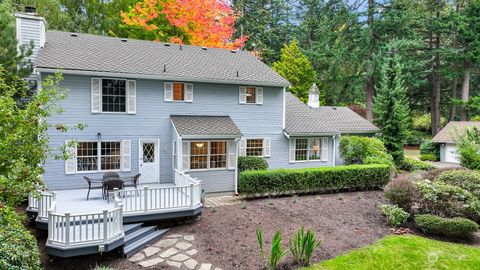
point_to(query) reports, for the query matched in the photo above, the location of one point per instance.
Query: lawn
(406, 252)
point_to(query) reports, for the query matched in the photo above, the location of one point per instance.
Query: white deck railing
(41, 203)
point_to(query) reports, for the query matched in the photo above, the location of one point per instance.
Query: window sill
(308, 161)
(92, 172)
(178, 101)
(209, 170)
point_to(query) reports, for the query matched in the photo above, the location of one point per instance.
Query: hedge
(411, 164)
(252, 164)
(449, 227)
(314, 180)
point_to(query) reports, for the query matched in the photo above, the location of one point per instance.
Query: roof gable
(454, 129)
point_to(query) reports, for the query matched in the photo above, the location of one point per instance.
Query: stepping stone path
(174, 250)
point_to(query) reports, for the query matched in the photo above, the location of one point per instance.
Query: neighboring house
(153, 108)
(448, 136)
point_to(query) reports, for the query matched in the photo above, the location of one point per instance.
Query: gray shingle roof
(191, 125)
(301, 119)
(454, 129)
(191, 63)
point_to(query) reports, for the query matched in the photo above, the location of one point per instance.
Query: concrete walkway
(445, 165)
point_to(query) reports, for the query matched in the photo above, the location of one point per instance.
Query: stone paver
(174, 236)
(151, 262)
(166, 242)
(169, 252)
(179, 257)
(205, 266)
(216, 268)
(190, 264)
(183, 245)
(191, 252)
(149, 251)
(189, 237)
(222, 201)
(176, 264)
(137, 257)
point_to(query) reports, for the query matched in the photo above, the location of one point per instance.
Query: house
(448, 136)
(180, 115)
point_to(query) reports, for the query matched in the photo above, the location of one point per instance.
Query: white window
(309, 149)
(178, 91)
(94, 156)
(254, 147)
(113, 95)
(250, 95)
(208, 155)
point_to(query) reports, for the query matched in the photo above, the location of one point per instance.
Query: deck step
(132, 236)
(131, 248)
(129, 228)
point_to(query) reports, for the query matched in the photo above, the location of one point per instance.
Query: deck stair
(137, 236)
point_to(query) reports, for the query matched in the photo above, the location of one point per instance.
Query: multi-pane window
(178, 91)
(254, 147)
(308, 149)
(251, 95)
(208, 155)
(93, 155)
(113, 95)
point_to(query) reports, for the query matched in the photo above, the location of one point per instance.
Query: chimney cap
(30, 10)
(314, 89)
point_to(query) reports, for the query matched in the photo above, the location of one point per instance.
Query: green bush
(423, 122)
(428, 157)
(466, 179)
(18, 248)
(449, 227)
(447, 200)
(430, 148)
(395, 215)
(411, 164)
(417, 137)
(469, 149)
(252, 164)
(401, 192)
(324, 179)
(364, 150)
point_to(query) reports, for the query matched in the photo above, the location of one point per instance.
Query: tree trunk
(453, 107)
(467, 68)
(435, 105)
(369, 87)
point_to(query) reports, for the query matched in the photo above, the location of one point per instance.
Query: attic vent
(73, 35)
(124, 40)
(167, 44)
(233, 51)
(180, 47)
(204, 48)
(334, 108)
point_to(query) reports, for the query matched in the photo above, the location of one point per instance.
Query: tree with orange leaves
(208, 23)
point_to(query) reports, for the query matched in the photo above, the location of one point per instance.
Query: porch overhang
(205, 127)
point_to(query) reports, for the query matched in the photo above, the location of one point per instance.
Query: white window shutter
(267, 149)
(324, 149)
(71, 162)
(132, 97)
(126, 155)
(96, 95)
(185, 156)
(243, 147)
(242, 95)
(189, 92)
(168, 91)
(292, 150)
(259, 94)
(232, 157)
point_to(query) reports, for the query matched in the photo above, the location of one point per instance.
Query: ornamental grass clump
(302, 246)
(277, 253)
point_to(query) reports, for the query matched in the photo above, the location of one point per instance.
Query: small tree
(391, 105)
(297, 69)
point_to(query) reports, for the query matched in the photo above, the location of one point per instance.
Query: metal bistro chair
(131, 181)
(94, 184)
(112, 184)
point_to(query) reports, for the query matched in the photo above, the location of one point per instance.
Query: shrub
(449, 227)
(433, 174)
(401, 192)
(302, 246)
(423, 122)
(468, 180)
(428, 157)
(447, 200)
(252, 164)
(411, 164)
(469, 149)
(18, 248)
(418, 137)
(428, 147)
(395, 215)
(364, 150)
(324, 179)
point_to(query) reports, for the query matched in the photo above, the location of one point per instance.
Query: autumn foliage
(208, 23)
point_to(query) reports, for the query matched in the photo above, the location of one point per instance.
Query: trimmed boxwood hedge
(314, 180)
(449, 227)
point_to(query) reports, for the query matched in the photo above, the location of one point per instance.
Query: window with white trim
(208, 155)
(251, 95)
(114, 94)
(254, 147)
(93, 155)
(178, 91)
(308, 149)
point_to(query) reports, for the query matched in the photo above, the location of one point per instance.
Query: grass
(406, 252)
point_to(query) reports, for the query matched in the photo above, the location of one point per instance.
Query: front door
(149, 160)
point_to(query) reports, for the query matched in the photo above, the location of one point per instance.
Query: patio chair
(109, 175)
(94, 184)
(111, 184)
(131, 181)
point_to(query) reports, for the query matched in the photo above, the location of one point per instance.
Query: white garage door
(451, 154)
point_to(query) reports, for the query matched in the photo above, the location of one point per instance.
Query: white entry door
(149, 160)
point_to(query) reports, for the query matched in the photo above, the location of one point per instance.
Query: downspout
(334, 150)
(237, 150)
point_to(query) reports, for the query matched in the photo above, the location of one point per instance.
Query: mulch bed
(225, 236)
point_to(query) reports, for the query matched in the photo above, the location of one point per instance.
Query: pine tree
(391, 105)
(297, 69)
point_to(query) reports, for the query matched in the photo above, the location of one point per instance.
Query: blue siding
(152, 120)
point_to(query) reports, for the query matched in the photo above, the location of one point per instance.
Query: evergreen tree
(297, 69)
(391, 105)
